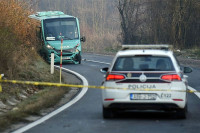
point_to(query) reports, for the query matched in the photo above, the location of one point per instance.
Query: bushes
(6, 48)
(17, 36)
(105, 43)
(14, 14)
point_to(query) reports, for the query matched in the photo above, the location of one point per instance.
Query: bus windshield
(55, 29)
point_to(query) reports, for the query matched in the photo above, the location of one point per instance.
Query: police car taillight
(171, 77)
(114, 77)
(109, 99)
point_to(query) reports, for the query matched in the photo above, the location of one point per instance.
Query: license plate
(66, 58)
(143, 96)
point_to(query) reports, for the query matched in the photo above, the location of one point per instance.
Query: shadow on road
(145, 115)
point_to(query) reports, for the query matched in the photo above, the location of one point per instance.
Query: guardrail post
(61, 59)
(1, 75)
(52, 63)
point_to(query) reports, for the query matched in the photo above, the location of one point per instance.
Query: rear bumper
(121, 100)
(143, 106)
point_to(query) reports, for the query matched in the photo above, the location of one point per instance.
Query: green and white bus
(57, 26)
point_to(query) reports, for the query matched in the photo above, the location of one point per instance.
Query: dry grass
(43, 99)
(105, 43)
(17, 48)
(38, 70)
(19, 61)
(17, 35)
(14, 14)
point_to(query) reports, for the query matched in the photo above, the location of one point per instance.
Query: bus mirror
(83, 39)
(38, 32)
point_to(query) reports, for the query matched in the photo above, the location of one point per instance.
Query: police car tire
(182, 113)
(108, 113)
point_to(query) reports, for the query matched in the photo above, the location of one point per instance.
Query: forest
(175, 22)
(109, 23)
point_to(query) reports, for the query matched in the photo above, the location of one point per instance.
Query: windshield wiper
(68, 38)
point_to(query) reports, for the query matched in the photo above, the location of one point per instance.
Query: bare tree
(132, 19)
(161, 21)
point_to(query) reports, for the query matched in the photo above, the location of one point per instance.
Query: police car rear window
(143, 63)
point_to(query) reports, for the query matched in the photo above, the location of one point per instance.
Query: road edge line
(55, 112)
(196, 93)
(96, 61)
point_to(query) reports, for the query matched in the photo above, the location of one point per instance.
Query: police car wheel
(182, 113)
(108, 113)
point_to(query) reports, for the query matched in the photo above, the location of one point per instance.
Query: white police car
(146, 78)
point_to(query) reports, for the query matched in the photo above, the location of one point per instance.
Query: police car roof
(144, 52)
(144, 49)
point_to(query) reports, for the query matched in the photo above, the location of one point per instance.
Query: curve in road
(74, 100)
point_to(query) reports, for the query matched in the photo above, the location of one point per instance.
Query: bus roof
(49, 15)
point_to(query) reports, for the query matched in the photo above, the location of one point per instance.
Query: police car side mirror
(187, 70)
(104, 70)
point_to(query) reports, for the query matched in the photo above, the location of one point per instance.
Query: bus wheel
(78, 58)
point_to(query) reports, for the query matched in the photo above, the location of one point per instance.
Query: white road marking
(103, 54)
(96, 61)
(43, 119)
(196, 93)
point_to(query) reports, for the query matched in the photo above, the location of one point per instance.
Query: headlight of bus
(49, 46)
(72, 50)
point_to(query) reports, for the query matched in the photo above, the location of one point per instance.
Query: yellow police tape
(0, 88)
(0, 84)
(80, 86)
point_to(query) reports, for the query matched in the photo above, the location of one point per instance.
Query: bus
(57, 26)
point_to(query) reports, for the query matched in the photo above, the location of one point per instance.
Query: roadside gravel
(189, 62)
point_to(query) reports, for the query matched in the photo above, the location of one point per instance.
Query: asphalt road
(86, 115)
